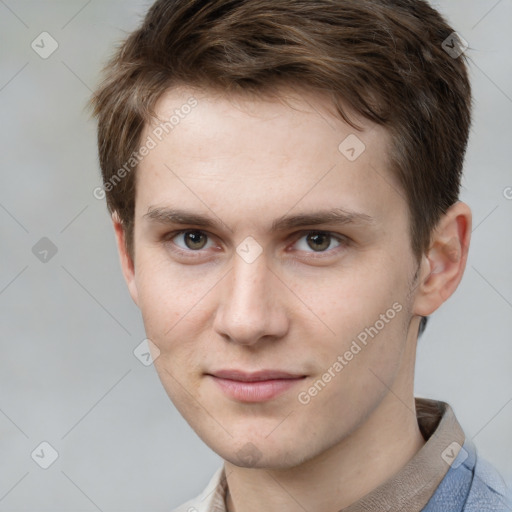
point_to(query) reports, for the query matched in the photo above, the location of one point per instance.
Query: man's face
(307, 246)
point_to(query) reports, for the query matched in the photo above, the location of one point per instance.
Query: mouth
(254, 387)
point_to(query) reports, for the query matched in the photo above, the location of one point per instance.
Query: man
(283, 179)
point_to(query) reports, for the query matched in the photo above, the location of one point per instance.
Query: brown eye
(194, 240)
(193, 244)
(318, 241)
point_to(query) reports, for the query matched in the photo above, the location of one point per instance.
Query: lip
(253, 387)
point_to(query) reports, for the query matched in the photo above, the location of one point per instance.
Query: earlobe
(443, 265)
(127, 264)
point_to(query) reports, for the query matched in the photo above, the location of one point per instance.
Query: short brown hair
(384, 59)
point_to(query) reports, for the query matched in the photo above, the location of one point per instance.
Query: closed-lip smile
(259, 386)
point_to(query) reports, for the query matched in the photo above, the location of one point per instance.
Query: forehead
(289, 150)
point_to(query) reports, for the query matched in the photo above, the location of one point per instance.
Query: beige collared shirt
(408, 490)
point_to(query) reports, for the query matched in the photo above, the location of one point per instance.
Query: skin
(245, 162)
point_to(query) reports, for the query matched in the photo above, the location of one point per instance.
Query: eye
(319, 242)
(191, 240)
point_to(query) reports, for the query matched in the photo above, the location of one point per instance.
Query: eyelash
(190, 253)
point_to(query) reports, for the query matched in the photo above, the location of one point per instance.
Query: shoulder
(488, 490)
(471, 485)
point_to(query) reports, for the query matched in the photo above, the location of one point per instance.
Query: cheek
(359, 374)
(357, 299)
(167, 295)
(174, 317)
(176, 312)
(368, 313)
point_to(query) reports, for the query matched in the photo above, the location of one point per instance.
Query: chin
(261, 454)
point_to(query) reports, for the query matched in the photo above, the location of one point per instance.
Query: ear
(127, 264)
(442, 267)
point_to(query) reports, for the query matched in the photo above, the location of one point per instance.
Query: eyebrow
(337, 216)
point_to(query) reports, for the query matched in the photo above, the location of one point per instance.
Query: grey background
(68, 326)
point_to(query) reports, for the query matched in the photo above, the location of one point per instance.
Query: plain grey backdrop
(68, 375)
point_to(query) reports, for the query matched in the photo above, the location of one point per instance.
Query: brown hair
(383, 59)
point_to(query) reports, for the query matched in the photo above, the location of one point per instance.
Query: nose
(250, 307)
